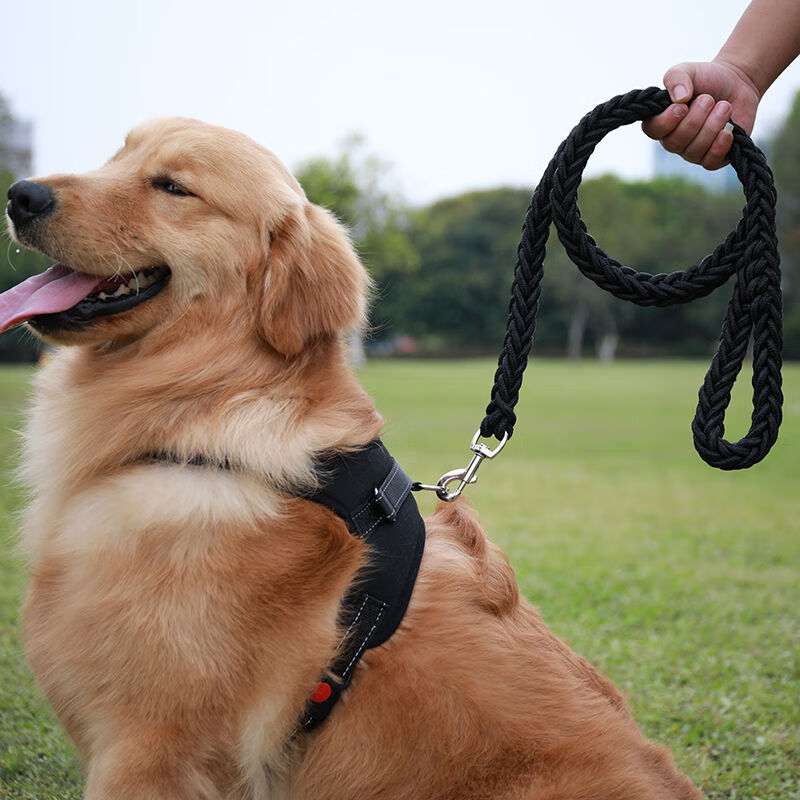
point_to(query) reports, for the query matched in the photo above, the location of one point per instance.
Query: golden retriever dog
(180, 612)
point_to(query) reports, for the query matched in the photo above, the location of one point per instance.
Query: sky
(453, 96)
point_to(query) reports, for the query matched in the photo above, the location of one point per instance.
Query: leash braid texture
(750, 252)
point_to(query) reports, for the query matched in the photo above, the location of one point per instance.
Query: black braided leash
(750, 251)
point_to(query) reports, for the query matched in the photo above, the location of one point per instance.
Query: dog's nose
(29, 200)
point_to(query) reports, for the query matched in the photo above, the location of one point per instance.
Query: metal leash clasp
(468, 474)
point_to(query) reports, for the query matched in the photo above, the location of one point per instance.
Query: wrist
(745, 73)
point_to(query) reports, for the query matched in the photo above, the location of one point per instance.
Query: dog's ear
(315, 283)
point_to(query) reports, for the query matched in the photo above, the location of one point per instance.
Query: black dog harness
(371, 493)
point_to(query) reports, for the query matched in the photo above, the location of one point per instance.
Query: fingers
(717, 155)
(697, 131)
(700, 137)
(678, 82)
(665, 123)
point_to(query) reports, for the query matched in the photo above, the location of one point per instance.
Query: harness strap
(372, 494)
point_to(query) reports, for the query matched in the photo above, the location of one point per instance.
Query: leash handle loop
(750, 252)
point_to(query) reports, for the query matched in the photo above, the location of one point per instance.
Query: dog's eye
(171, 187)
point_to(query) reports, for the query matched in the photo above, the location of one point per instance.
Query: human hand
(698, 132)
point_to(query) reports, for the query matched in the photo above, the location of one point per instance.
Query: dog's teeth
(142, 281)
(103, 296)
(121, 290)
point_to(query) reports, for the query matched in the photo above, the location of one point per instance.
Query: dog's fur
(179, 616)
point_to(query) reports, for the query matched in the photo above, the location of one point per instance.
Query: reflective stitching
(363, 644)
(353, 623)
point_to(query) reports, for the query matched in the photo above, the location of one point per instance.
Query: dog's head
(186, 218)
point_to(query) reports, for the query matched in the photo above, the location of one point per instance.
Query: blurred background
(425, 127)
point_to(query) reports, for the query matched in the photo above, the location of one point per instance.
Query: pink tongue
(56, 289)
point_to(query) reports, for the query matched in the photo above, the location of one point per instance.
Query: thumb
(678, 82)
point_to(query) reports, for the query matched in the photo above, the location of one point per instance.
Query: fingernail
(728, 128)
(679, 93)
(723, 109)
(680, 110)
(706, 102)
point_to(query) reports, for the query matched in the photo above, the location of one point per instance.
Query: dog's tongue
(56, 289)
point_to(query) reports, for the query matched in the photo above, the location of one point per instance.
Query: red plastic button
(321, 693)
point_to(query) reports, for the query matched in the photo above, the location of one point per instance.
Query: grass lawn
(681, 582)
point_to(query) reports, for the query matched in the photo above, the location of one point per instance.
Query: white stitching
(353, 623)
(372, 527)
(392, 474)
(363, 644)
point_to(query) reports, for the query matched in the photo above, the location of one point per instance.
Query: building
(669, 165)
(17, 150)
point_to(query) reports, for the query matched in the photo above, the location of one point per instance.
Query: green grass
(681, 582)
(36, 759)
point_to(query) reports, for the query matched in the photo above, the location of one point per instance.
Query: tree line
(443, 272)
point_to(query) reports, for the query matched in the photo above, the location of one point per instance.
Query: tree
(353, 185)
(468, 246)
(785, 157)
(654, 226)
(444, 272)
(616, 220)
(6, 129)
(458, 299)
(16, 263)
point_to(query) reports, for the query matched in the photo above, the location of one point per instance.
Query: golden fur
(178, 616)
